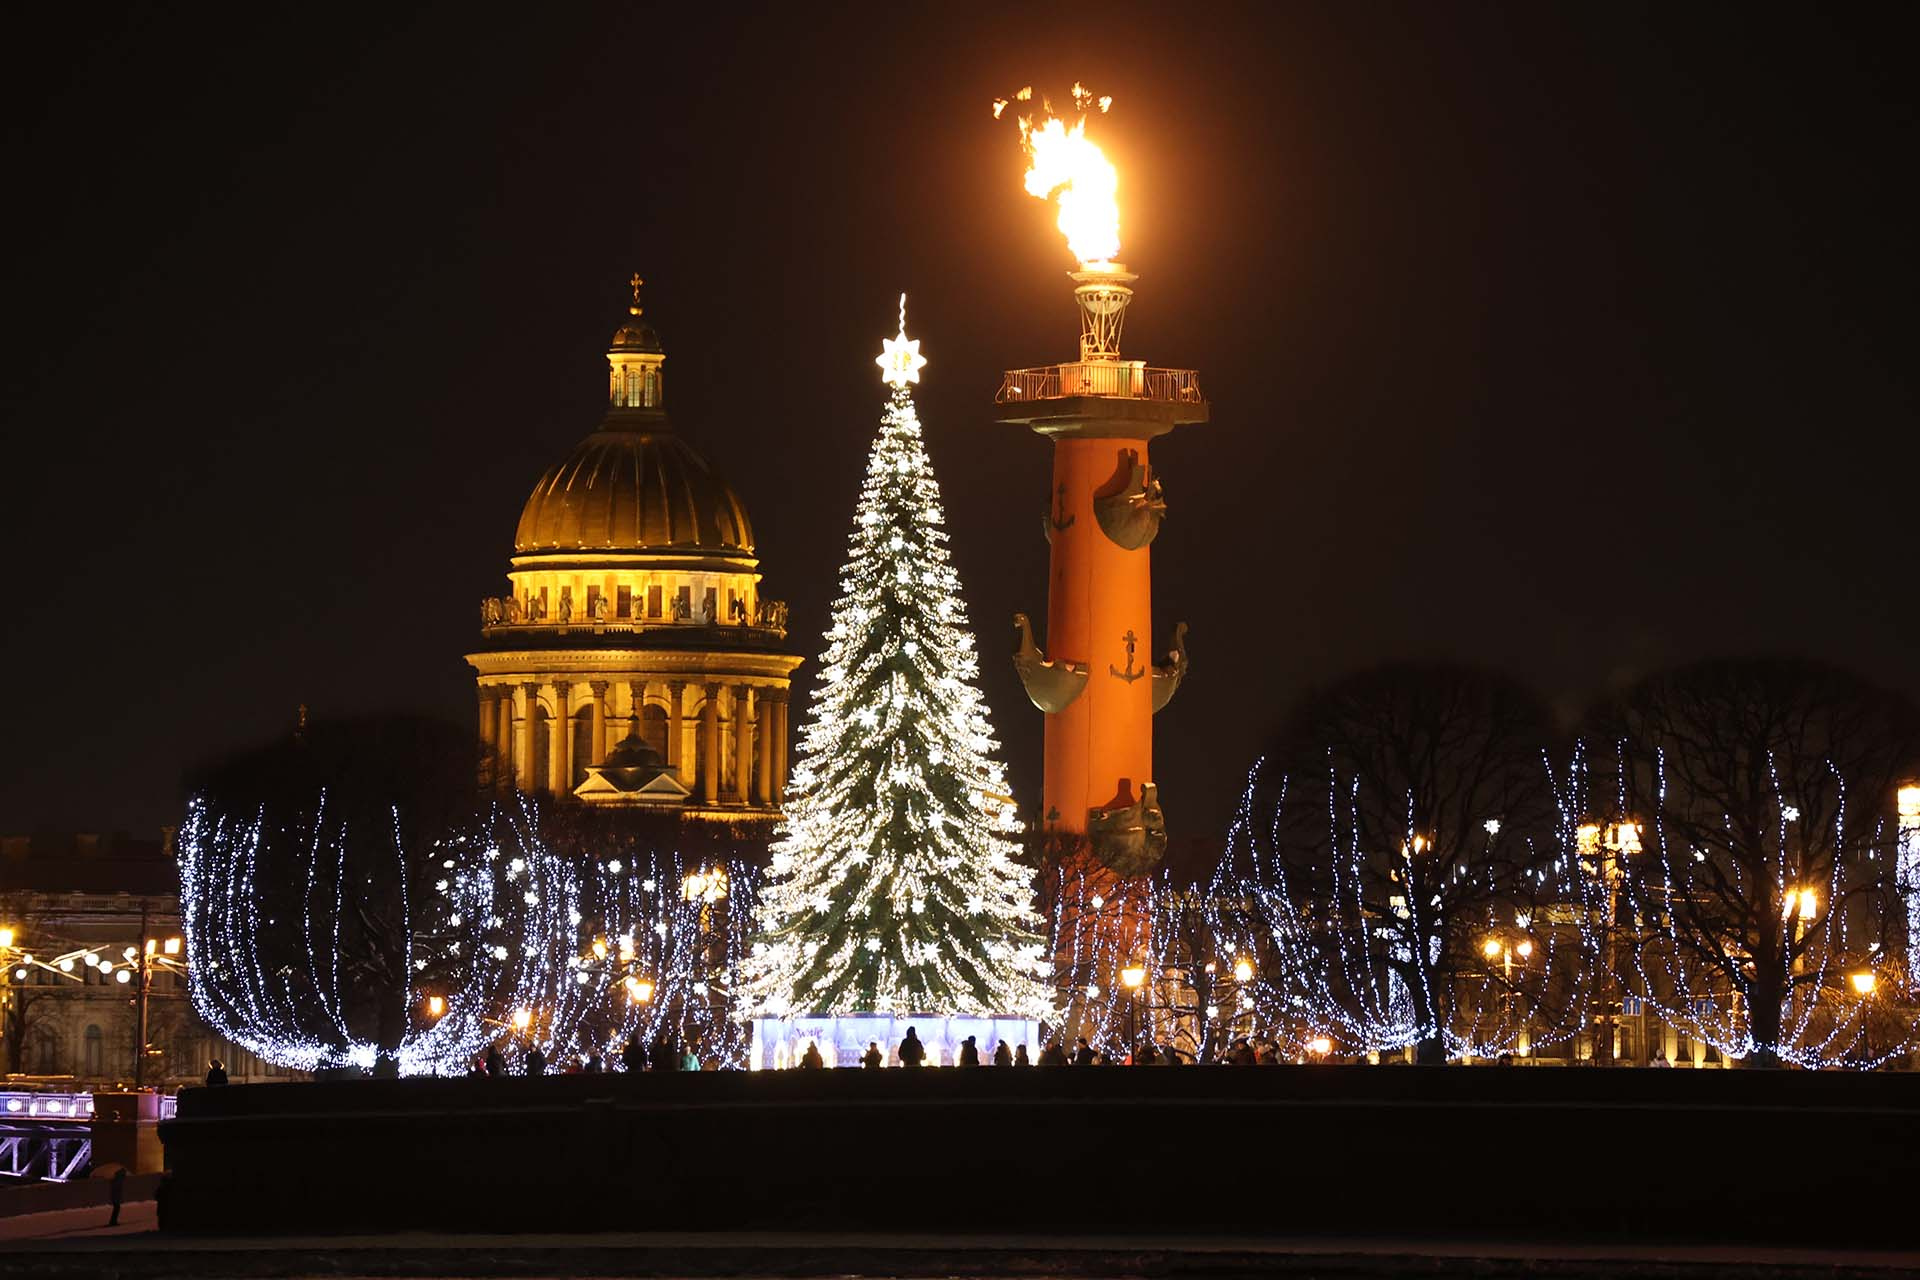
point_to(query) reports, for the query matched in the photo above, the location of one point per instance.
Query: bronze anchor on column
(1131, 673)
(1058, 521)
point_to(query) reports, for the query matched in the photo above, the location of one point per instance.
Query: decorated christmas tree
(895, 887)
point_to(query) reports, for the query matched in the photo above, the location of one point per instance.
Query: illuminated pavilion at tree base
(779, 1043)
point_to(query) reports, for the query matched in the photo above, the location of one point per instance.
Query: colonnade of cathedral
(726, 739)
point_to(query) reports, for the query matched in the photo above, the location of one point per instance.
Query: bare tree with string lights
(1766, 899)
(302, 865)
(1404, 851)
(347, 905)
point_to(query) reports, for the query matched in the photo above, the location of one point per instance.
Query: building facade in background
(76, 911)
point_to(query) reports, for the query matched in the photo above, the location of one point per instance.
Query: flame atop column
(1068, 166)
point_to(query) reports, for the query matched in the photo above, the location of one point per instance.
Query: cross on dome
(900, 360)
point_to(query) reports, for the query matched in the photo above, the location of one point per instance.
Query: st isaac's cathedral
(634, 661)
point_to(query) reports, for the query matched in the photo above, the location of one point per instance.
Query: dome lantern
(634, 378)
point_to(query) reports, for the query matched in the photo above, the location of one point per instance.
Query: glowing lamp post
(1603, 851)
(1133, 978)
(1096, 681)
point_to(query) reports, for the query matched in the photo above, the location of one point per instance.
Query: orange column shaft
(1099, 750)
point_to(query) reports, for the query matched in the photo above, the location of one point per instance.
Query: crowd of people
(1244, 1052)
(666, 1055)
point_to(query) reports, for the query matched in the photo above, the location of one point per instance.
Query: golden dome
(635, 334)
(633, 488)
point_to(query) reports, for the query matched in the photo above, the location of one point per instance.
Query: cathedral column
(742, 745)
(503, 736)
(488, 750)
(528, 783)
(560, 755)
(710, 761)
(763, 778)
(780, 742)
(598, 749)
(637, 692)
(676, 726)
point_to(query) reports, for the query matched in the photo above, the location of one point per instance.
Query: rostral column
(1096, 680)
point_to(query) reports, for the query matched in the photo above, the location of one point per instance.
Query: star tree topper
(900, 360)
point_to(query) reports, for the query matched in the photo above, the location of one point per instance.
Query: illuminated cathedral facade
(633, 660)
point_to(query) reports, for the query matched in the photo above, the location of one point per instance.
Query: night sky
(1573, 341)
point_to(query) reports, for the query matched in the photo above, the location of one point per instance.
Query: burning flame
(1063, 160)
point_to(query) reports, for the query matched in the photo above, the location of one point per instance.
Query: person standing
(216, 1072)
(1020, 1057)
(1082, 1053)
(1003, 1056)
(663, 1055)
(689, 1060)
(633, 1057)
(1053, 1055)
(969, 1053)
(496, 1065)
(871, 1059)
(536, 1062)
(912, 1052)
(811, 1059)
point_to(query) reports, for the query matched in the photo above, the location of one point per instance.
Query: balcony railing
(768, 627)
(1122, 379)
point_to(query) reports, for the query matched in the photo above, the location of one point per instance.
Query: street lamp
(1602, 850)
(1243, 970)
(436, 1005)
(1864, 983)
(1133, 977)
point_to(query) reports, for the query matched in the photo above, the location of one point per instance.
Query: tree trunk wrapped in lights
(896, 886)
(1766, 890)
